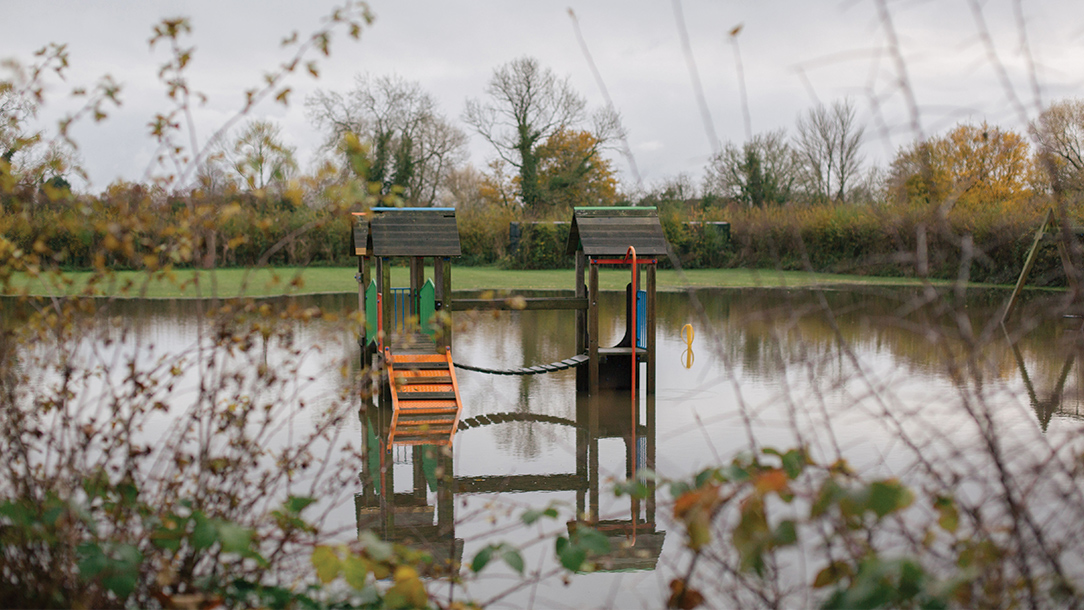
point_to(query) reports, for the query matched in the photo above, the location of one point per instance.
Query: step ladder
(425, 398)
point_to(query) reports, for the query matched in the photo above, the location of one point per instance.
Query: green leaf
(794, 461)
(785, 533)
(736, 473)
(204, 533)
(888, 496)
(234, 538)
(572, 559)
(949, 516)
(706, 476)
(91, 560)
(531, 516)
(296, 504)
(592, 540)
(632, 488)
(327, 563)
(355, 572)
(512, 557)
(481, 559)
(831, 574)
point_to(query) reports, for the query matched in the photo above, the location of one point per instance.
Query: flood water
(846, 373)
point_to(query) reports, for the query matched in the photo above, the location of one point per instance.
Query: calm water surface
(842, 372)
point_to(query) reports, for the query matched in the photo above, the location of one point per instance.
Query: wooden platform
(424, 394)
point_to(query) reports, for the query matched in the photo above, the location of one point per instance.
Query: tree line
(549, 154)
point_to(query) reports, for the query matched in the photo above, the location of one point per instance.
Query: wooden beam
(514, 303)
(519, 483)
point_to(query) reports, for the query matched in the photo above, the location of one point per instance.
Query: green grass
(191, 283)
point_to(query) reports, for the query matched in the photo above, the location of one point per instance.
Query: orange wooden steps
(425, 398)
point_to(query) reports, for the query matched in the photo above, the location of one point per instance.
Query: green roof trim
(615, 207)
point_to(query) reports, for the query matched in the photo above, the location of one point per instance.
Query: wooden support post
(592, 453)
(365, 276)
(442, 305)
(387, 488)
(592, 331)
(445, 497)
(361, 298)
(387, 299)
(446, 282)
(650, 423)
(417, 278)
(1028, 264)
(582, 438)
(419, 473)
(650, 355)
(581, 292)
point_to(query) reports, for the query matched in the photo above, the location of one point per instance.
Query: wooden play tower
(415, 351)
(605, 236)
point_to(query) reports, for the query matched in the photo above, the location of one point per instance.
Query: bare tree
(411, 144)
(260, 157)
(24, 151)
(828, 144)
(1059, 131)
(762, 171)
(528, 104)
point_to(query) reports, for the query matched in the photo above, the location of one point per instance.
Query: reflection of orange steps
(424, 397)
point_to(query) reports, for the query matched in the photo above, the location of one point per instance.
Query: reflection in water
(843, 372)
(408, 517)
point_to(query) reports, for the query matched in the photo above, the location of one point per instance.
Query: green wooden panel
(370, 311)
(427, 307)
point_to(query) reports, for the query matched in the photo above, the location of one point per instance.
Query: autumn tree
(1059, 131)
(527, 105)
(828, 146)
(763, 171)
(260, 158)
(413, 148)
(571, 173)
(971, 165)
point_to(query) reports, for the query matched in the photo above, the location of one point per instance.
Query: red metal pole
(632, 313)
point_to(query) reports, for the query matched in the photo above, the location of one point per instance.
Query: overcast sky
(795, 53)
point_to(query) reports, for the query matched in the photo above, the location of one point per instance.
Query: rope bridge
(565, 364)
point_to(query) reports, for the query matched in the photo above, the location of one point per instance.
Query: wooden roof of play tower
(406, 232)
(609, 231)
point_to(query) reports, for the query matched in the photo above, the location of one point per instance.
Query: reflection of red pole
(632, 313)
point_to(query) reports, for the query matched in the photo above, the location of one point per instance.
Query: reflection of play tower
(407, 516)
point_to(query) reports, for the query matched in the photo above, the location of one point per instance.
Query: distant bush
(483, 234)
(541, 245)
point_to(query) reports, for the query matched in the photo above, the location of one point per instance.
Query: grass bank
(189, 283)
